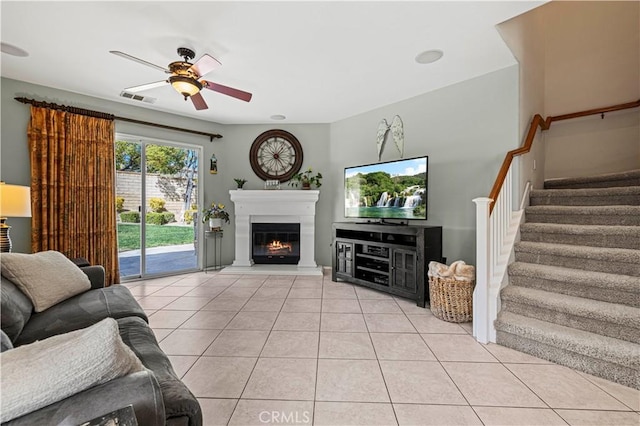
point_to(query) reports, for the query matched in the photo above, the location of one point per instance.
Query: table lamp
(15, 201)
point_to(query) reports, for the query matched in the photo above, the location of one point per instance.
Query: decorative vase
(215, 223)
(306, 185)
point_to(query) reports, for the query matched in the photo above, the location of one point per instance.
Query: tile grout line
(386, 387)
(587, 376)
(315, 390)
(216, 338)
(235, 407)
(446, 372)
(261, 350)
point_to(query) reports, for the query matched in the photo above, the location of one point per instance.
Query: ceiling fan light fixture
(185, 86)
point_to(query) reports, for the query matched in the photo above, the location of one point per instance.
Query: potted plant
(216, 215)
(240, 182)
(306, 179)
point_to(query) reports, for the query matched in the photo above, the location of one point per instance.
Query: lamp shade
(15, 200)
(184, 85)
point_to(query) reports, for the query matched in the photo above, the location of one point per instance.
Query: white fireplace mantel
(274, 206)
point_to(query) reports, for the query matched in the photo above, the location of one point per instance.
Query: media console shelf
(389, 258)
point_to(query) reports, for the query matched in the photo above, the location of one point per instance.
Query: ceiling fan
(186, 77)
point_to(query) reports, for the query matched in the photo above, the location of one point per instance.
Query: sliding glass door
(156, 195)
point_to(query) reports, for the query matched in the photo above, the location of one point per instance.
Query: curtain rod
(106, 116)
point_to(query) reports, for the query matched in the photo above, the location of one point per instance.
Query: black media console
(388, 258)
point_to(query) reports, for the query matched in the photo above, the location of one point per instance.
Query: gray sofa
(158, 396)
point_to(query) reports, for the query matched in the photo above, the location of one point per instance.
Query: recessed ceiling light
(12, 50)
(278, 117)
(429, 56)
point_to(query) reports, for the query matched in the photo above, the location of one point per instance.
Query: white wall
(465, 129)
(592, 60)
(593, 54)
(577, 56)
(522, 35)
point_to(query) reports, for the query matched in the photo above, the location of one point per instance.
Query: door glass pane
(128, 203)
(170, 204)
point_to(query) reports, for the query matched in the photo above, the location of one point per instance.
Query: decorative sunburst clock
(276, 155)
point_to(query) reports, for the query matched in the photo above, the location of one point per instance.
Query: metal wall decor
(397, 132)
(213, 164)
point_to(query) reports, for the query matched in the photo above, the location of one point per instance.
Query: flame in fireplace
(276, 246)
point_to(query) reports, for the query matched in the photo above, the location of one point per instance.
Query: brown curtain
(73, 187)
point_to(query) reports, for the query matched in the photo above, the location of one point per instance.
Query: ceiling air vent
(135, 97)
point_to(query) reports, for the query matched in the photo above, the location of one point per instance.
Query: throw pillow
(41, 373)
(46, 278)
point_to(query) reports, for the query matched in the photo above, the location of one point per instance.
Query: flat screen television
(389, 190)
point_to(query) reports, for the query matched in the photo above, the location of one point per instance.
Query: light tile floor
(306, 350)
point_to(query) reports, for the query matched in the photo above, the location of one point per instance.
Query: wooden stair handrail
(544, 124)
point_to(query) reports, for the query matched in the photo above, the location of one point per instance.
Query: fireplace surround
(274, 206)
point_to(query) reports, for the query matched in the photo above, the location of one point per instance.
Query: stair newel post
(481, 319)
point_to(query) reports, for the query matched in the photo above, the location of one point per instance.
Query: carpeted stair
(574, 288)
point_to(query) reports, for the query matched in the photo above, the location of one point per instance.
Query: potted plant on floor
(306, 179)
(216, 215)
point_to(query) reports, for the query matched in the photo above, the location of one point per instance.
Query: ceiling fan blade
(138, 60)
(229, 91)
(198, 101)
(205, 64)
(147, 86)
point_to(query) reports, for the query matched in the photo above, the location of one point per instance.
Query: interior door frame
(144, 141)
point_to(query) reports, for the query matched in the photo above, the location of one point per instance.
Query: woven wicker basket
(451, 300)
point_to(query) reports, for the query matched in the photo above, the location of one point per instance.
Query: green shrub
(130, 217)
(119, 204)
(169, 217)
(154, 218)
(157, 204)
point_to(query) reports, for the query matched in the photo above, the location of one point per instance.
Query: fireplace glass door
(275, 243)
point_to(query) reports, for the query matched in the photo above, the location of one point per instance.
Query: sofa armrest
(139, 389)
(95, 274)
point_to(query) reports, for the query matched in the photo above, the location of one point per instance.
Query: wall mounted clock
(276, 155)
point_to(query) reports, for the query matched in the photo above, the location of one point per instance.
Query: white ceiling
(314, 62)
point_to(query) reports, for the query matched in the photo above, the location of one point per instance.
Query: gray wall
(233, 162)
(465, 129)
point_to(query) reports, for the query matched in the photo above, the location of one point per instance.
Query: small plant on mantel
(306, 179)
(240, 182)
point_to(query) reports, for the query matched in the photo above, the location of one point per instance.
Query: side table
(216, 235)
